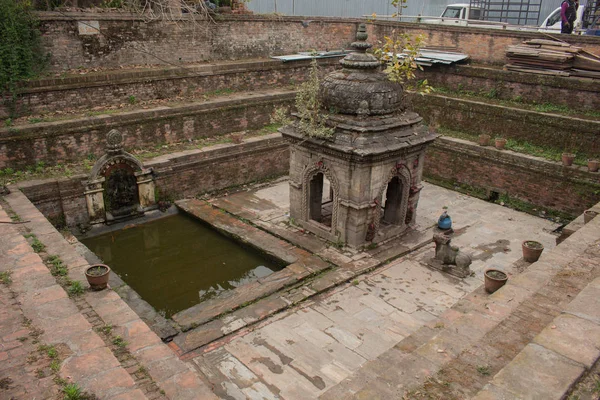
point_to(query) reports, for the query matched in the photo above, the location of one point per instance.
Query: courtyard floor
(402, 330)
(306, 351)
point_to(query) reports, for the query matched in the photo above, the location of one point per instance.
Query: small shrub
(131, 100)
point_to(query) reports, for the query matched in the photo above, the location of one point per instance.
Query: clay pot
(588, 215)
(97, 276)
(237, 138)
(532, 250)
(484, 140)
(567, 159)
(500, 143)
(593, 165)
(494, 279)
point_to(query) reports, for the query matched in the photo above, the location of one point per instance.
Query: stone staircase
(532, 339)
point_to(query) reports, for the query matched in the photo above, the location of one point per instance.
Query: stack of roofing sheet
(552, 58)
(427, 57)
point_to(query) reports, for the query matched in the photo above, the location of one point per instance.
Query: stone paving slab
(301, 356)
(538, 373)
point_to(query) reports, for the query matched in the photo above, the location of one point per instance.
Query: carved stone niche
(363, 185)
(119, 186)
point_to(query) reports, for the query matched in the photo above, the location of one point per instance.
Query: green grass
(72, 391)
(106, 329)
(517, 101)
(50, 351)
(75, 288)
(119, 342)
(5, 277)
(55, 366)
(484, 370)
(57, 268)
(37, 246)
(518, 146)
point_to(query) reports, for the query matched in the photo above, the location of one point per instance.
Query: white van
(552, 23)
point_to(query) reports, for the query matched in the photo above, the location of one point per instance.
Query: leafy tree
(21, 55)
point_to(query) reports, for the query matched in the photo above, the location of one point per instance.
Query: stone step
(456, 356)
(168, 372)
(567, 348)
(132, 86)
(76, 139)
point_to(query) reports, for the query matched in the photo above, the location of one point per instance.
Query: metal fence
(358, 8)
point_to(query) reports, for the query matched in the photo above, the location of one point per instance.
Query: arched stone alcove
(119, 185)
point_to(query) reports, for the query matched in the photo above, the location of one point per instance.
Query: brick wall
(178, 175)
(539, 182)
(549, 130)
(576, 93)
(84, 92)
(59, 142)
(128, 40)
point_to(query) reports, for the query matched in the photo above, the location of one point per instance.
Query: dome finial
(360, 59)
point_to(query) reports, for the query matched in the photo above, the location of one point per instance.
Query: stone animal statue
(450, 255)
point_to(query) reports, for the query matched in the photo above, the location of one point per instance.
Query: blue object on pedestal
(445, 222)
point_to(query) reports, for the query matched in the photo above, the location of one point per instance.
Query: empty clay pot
(500, 143)
(567, 159)
(589, 215)
(593, 165)
(484, 140)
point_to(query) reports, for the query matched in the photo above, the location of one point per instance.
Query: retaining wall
(112, 88)
(575, 93)
(177, 175)
(59, 142)
(125, 39)
(534, 180)
(543, 129)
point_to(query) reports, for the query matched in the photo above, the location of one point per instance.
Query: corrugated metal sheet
(358, 8)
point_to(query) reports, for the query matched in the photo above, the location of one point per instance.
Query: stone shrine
(119, 186)
(362, 185)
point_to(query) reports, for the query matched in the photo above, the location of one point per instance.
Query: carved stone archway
(402, 173)
(309, 173)
(119, 172)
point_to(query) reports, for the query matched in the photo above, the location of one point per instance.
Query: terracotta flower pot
(484, 140)
(589, 215)
(567, 159)
(494, 279)
(500, 143)
(593, 165)
(532, 250)
(97, 276)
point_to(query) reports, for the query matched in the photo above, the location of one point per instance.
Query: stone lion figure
(450, 255)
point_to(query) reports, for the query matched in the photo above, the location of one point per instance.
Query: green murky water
(176, 262)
